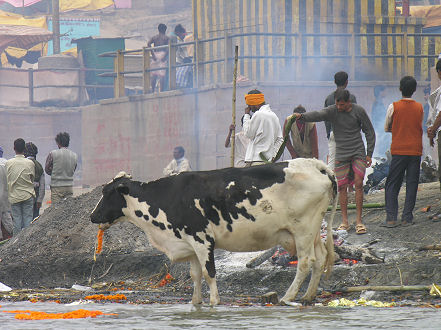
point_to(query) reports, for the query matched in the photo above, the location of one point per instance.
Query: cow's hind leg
(196, 275)
(317, 270)
(306, 257)
(205, 254)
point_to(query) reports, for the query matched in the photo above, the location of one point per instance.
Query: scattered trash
(4, 288)
(426, 209)
(435, 290)
(429, 172)
(343, 302)
(166, 280)
(116, 297)
(81, 287)
(377, 179)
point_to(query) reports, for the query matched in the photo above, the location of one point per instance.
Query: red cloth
(407, 128)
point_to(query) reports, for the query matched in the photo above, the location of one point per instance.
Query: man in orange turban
(263, 129)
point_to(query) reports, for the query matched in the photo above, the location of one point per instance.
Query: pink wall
(123, 3)
(137, 134)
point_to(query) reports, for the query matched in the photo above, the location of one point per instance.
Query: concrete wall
(137, 134)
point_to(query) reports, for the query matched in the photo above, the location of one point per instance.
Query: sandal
(436, 217)
(343, 227)
(360, 229)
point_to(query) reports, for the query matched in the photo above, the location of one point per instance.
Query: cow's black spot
(169, 226)
(177, 234)
(146, 217)
(209, 265)
(139, 213)
(158, 224)
(230, 229)
(197, 239)
(154, 211)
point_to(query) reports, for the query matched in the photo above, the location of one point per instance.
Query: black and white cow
(189, 215)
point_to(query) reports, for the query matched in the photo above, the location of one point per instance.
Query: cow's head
(109, 208)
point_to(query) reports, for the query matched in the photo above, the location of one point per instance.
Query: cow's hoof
(289, 303)
(307, 302)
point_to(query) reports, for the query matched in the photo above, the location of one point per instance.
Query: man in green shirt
(20, 175)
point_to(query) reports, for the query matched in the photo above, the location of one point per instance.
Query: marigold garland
(115, 297)
(78, 314)
(99, 237)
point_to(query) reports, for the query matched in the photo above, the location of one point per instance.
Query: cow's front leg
(196, 275)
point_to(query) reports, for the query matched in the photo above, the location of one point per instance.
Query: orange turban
(254, 99)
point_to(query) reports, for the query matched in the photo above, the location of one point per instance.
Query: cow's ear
(122, 189)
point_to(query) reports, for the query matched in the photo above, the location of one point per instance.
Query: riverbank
(57, 252)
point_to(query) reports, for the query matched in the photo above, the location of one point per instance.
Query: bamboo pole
(384, 288)
(365, 206)
(233, 140)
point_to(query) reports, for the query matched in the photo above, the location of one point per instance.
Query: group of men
(184, 55)
(262, 136)
(22, 182)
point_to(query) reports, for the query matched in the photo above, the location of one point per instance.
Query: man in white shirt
(263, 130)
(240, 145)
(178, 164)
(2, 160)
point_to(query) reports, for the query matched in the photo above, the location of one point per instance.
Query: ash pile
(345, 254)
(57, 249)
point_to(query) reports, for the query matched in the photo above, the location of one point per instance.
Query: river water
(186, 316)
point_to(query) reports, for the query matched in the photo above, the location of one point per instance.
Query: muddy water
(179, 316)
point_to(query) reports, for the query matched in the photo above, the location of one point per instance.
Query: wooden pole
(31, 86)
(56, 25)
(233, 136)
(145, 72)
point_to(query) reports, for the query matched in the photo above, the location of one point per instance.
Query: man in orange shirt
(405, 120)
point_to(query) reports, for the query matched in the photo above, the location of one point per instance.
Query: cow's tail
(329, 237)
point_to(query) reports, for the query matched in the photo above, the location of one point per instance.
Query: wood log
(430, 247)
(384, 288)
(358, 253)
(261, 258)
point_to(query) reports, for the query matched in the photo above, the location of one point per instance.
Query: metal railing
(29, 83)
(293, 54)
(293, 49)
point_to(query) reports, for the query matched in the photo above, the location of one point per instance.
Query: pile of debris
(377, 179)
(345, 253)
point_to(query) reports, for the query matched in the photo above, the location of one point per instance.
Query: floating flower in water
(343, 302)
(115, 297)
(78, 314)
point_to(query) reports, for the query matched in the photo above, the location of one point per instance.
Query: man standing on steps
(61, 165)
(348, 120)
(20, 175)
(263, 129)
